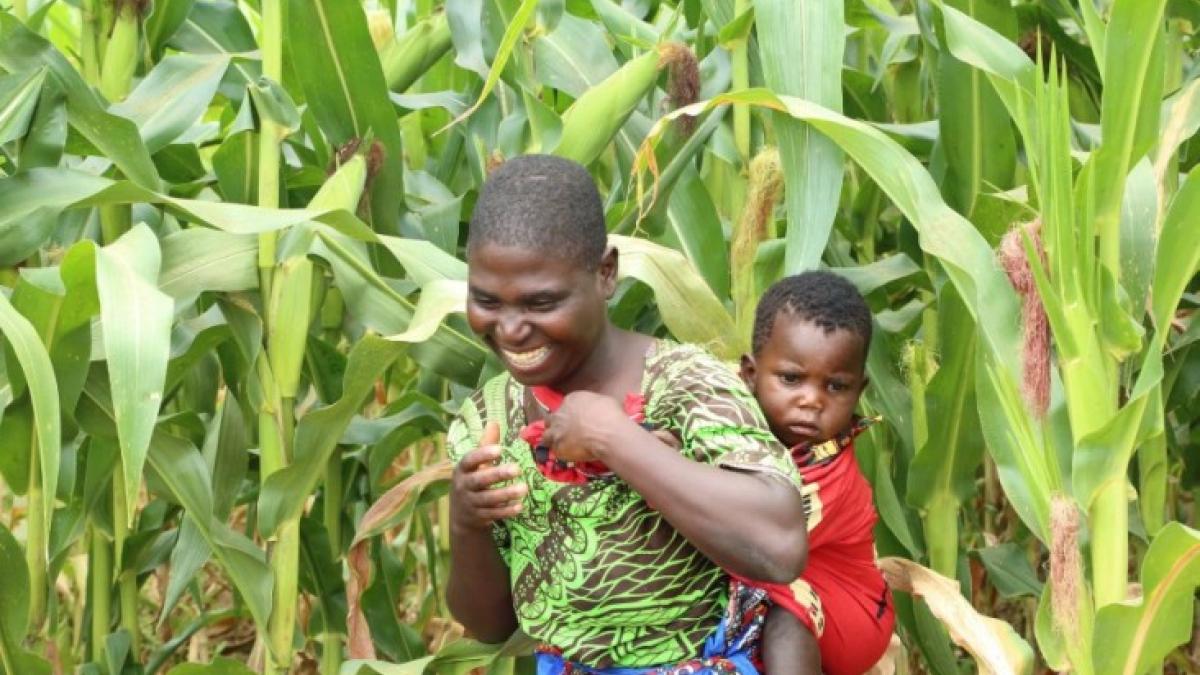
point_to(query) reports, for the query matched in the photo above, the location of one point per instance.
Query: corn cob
(407, 57)
(596, 116)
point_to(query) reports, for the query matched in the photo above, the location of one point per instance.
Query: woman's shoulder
(675, 361)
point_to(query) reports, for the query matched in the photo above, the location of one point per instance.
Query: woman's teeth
(527, 359)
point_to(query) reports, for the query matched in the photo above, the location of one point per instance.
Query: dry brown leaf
(995, 646)
(358, 643)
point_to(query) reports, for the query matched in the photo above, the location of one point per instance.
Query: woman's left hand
(580, 430)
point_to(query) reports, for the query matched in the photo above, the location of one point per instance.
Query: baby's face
(807, 380)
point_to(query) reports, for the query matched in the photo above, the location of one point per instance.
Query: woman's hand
(580, 430)
(474, 503)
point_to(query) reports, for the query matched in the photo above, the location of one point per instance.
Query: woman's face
(542, 315)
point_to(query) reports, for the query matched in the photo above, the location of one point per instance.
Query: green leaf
(344, 86)
(622, 25)
(689, 308)
(14, 596)
(946, 465)
(199, 259)
(172, 97)
(43, 392)
(1133, 65)
(1178, 256)
(181, 468)
(574, 56)
(1134, 637)
(19, 94)
(136, 324)
(801, 44)
(423, 261)
(57, 189)
(214, 27)
(512, 33)
(737, 31)
(165, 18)
(1009, 570)
(115, 137)
(976, 134)
(694, 228)
(439, 299)
(285, 492)
(219, 666)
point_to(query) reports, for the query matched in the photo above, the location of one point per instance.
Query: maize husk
(290, 314)
(407, 57)
(590, 124)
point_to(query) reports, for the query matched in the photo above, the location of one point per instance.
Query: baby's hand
(474, 503)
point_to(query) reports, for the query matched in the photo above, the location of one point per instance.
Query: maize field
(232, 281)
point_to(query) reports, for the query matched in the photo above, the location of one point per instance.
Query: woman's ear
(608, 272)
(748, 371)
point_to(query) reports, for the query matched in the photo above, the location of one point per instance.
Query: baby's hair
(820, 297)
(542, 203)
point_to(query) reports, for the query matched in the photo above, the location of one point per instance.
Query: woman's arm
(748, 523)
(478, 591)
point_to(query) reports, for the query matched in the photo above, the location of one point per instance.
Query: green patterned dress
(597, 572)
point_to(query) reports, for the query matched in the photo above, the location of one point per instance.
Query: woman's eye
(486, 303)
(543, 306)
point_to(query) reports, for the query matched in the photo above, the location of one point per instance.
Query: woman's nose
(512, 327)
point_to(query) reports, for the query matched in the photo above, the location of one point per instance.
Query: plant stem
(101, 565)
(270, 137)
(126, 579)
(89, 43)
(1109, 525)
(741, 80)
(333, 504)
(35, 543)
(331, 650)
(941, 534)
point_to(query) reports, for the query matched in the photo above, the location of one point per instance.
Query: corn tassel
(753, 227)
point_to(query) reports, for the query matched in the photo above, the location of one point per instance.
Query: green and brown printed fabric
(595, 570)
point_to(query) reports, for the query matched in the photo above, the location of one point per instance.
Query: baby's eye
(789, 378)
(837, 386)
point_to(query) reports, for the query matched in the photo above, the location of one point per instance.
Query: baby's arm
(788, 645)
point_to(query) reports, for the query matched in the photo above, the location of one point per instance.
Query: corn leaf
(172, 97)
(38, 372)
(976, 135)
(136, 323)
(1134, 637)
(19, 94)
(995, 646)
(688, 306)
(199, 259)
(59, 189)
(439, 299)
(22, 50)
(285, 492)
(1133, 65)
(345, 89)
(801, 44)
(14, 610)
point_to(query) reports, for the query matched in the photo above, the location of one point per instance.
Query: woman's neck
(614, 367)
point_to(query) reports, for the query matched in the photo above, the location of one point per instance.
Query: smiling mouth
(526, 360)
